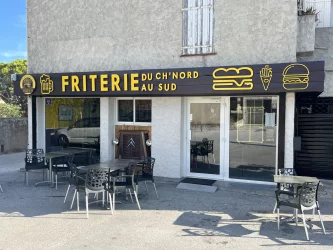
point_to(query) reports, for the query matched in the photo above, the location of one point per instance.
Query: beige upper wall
(324, 52)
(96, 35)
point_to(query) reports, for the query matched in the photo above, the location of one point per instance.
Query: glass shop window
(134, 111)
(73, 124)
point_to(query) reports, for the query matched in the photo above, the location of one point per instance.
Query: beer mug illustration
(46, 84)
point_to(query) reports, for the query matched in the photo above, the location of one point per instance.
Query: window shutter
(198, 21)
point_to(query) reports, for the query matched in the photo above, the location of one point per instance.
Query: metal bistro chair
(288, 188)
(61, 165)
(125, 182)
(146, 173)
(93, 184)
(76, 179)
(34, 160)
(208, 148)
(80, 173)
(307, 199)
(83, 159)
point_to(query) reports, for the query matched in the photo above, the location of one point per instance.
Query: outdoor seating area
(299, 193)
(85, 173)
(125, 193)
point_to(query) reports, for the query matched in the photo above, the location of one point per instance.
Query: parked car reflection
(84, 131)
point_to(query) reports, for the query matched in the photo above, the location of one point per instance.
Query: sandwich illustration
(239, 79)
(295, 77)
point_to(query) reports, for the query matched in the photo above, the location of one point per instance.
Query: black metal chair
(94, 159)
(76, 180)
(83, 159)
(286, 187)
(34, 160)
(61, 165)
(208, 148)
(306, 199)
(124, 182)
(146, 173)
(55, 148)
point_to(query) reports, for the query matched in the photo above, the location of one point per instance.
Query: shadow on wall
(13, 135)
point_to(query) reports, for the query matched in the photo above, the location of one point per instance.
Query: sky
(13, 30)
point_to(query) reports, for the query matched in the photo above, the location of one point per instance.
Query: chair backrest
(130, 169)
(148, 166)
(210, 146)
(82, 159)
(55, 148)
(93, 157)
(32, 157)
(287, 171)
(308, 194)
(73, 173)
(95, 179)
(63, 160)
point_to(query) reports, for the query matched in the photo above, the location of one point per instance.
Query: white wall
(29, 122)
(289, 128)
(40, 116)
(107, 122)
(167, 138)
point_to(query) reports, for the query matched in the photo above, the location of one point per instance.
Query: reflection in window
(143, 110)
(252, 136)
(73, 122)
(125, 110)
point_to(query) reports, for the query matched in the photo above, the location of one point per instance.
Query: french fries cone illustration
(266, 76)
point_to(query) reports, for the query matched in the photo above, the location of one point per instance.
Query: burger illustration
(295, 77)
(233, 79)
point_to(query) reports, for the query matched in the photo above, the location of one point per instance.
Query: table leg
(50, 173)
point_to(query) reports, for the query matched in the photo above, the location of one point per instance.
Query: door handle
(189, 135)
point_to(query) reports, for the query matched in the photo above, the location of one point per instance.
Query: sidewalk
(11, 162)
(237, 216)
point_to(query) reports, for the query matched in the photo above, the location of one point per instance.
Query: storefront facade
(146, 76)
(228, 125)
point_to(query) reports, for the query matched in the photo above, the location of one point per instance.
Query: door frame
(224, 137)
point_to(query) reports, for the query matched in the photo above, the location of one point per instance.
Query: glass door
(204, 137)
(253, 138)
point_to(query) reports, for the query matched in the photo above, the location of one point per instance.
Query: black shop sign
(205, 81)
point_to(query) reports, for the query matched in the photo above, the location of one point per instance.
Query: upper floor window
(198, 22)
